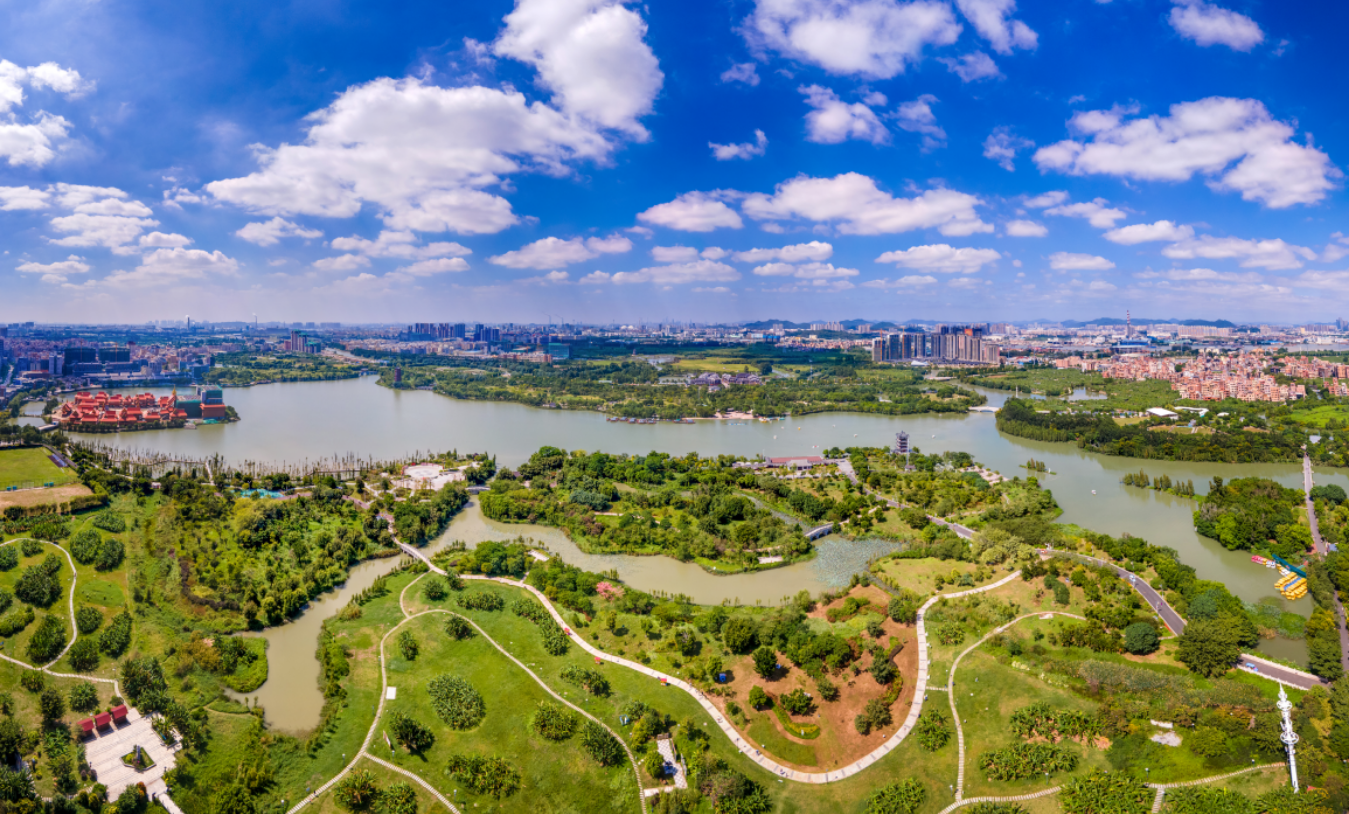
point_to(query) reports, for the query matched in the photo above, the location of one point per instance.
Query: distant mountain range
(1212, 323)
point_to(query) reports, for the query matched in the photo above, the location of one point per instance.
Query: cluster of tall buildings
(446, 331)
(301, 343)
(946, 343)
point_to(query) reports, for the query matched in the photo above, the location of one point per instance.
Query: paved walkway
(747, 747)
(105, 752)
(955, 713)
(384, 694)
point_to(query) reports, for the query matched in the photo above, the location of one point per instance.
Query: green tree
(1106, 793)
(1209, 647)
(903, 797)
(83, 697)
(738, 634)
(1207, 741)
(1141, 638)
(758, 698)
(654, 763)
(765, 662)
(234, 799)
(52, 704)
(357, 791)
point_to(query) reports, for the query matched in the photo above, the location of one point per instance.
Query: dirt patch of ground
(879, 600)
(55, 496)
(839, 742)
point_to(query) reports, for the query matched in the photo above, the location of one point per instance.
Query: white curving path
(747, 747)
(74, 629)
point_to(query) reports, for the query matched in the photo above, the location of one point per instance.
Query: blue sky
(709, 161)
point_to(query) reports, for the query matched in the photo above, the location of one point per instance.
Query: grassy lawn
(987, 693)
(713, 366)
(1319, 416)
(557, 776)
(16, 646)
(766, 735)
(935, 770)
(917, 574)
(426, 803)
(30, 466)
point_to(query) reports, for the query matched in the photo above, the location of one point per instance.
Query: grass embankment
(555, 775)
(919, 575)
(30, 466)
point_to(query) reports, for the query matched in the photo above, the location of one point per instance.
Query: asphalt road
(1173, 620)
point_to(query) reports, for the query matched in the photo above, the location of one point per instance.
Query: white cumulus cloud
(744, 72)
(1162, 230)
(972, 67)
(805, 271)
(859, 207)
(917, 117)
(591, 54)
(1025, 228)
(421, 155)
(834, 121)
(56, 272)
(34, 142)
(15, 198)
(1208, 24)
(746, 150)
(814, 250)
(166, 267)
(439, 265)
(1002, 146)
(693, 212)
(270, 233)
(1094, 212)
(907, 281)
(872, 38)
(1268, 254)
(992, 19)
(941, 257)
(1079, 262)
(401, 244)
(1235, 143)
(553, 252)
(674, 274)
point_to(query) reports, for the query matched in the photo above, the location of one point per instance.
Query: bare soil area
(839, 743)
(55, 496)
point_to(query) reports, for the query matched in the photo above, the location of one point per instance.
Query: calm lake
(314, 420)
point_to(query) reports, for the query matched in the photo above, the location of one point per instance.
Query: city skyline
(594, 162)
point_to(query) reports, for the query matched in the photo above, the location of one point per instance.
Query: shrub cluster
(485, 775)
(456, 702)
(587, 678)
(1026, 760)
(553, 721)
(457, 628)
(482, 600)
(554, 639)
(1042, 721)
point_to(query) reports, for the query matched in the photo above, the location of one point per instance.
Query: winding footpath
(747, 747)
(364, 752)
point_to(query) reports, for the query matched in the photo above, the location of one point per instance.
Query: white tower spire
(1289, 737)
